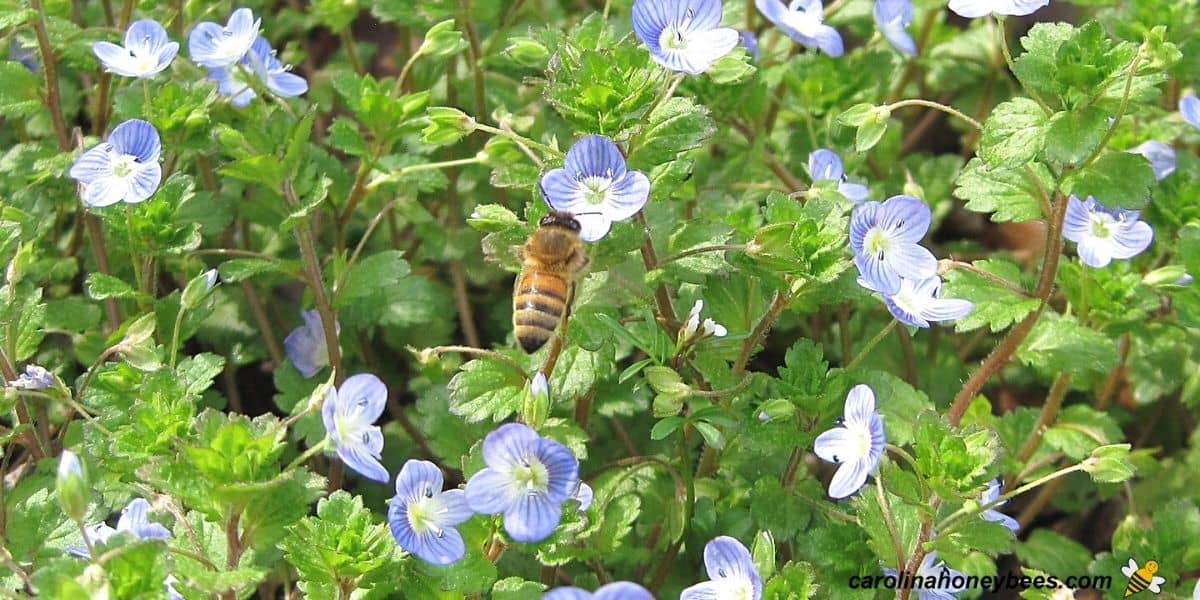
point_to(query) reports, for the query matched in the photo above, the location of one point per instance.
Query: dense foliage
(862, 289)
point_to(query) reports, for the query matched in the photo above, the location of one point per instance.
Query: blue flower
(919, 302)
(825, 165)
(683, 35)
(750, 42)
(617, 590)
(213, 46)
(306, 345)
(932, 570)
(1189, 107)
(123, 168)
(527, 478)
(981, 8)
(146, 53)
(990, 495)
(857, 444)
(260, 62)
(1104, 233)
(893, 17)
(583, 496)
(423, 517)
(596, 186)
(35, 377)
(349, 415)
(1160, 155)
(23, 54)
(134, 519)
(885, 239)
(803, 21)
(731, 573)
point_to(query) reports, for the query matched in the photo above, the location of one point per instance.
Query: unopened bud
(72, 486)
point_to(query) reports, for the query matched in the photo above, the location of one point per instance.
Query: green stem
(308, 249)
(518, 138)
(871, 345)
(400, 173)
(175, 334)
(886, 508)
(307, 454)
(948, 524)
(950, 110)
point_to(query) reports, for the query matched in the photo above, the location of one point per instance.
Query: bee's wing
(1155, 585)
(1131, 569)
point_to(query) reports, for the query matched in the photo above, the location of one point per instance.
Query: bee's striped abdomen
(1136, 584)
(538, 304)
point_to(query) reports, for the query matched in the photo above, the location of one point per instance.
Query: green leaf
(236, 270)
(515, 588)
(795, 581)
(263, 168)
(1116, 180)
(486, 388)
(1013, 134)
(997, 306)
(1061, 344)
(19, 95)
(371, 273)
(1080, 429)
(345, 136)
(1109, 464)
(732, 68)
(1073, 136)
(1054, 553)
(1009, 193)
(100, 286)
(339, 547)
(674, 127)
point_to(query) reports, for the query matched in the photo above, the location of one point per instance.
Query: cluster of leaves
(392, 195)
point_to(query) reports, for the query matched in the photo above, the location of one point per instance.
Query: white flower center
(907, 300)
(672, 39)
(350, 426)
(532, 475)
(877, 242)
(423, 513)
(1102, 225)
(803, 21)
(124, 165)
(597, 189)
(862, 441)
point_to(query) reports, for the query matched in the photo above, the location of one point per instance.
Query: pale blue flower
(803, 21)
(584, 496)
(26, 55)
(123, 168)
(893, 17)
(932, 569)
(972, 9)
(134, 519)
(1104, 233)
(617, 590)
(990, 495)
(423, 517)
(69, 466)
(731, 573)
(919, 303)
(349, 415)
(306, 346)
(886, 239)
(527, 478)
(683, 35)
(1160, 155)
(1189, 107)
(596, 186)
(825, 165)
(750, 42)
(259, 63)
(213, 46)
(857, 444)
(35, 377)
(146, 53)
(1185, 279)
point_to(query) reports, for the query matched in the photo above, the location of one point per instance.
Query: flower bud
(442, 40)
(535, 405)
(72, 486)
(1168, 275)
(527, 52)
(198, 288)
(775, 409)
(665, 380)
(446, 125)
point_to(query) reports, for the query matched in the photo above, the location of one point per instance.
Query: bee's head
(561, 219)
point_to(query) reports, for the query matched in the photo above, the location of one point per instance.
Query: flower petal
(491, 491)
(912, 261)
(509, 445)
(1095, 253)
(364, 396)
(444, 549)
(650, 18)
(567, 593)
(835, 445)
(138, 138)
(703, 14)
(829, 41)
(561, 190)
(145, 37)
(946, 309)
(1077, 223)
(628, 195)
(854, 192)
(144, 182)
(595, 155)
(562, 468)
(1160, 155)
(905, 218)
(115, 59)
(1131, 240)
(726, 558)
(824, 164)
(860, 406)
(706, 47)
(622, 590)
(877, 275)
(532, 518)
(416, 478)
(849, 478)
(94, 164)
(105, 191)
(972, 9)
(711, 590)
(455, 509)
(592, 226)
(1189, 107)
(862, 219)
(287, 85)
(358, 455)
(996, 516)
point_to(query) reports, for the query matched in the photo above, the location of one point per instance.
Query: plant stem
(871, 345)
(937, 106)
(886, 508)
(347, 39)
(1054, 400)
(312, 265)
(50, 69)
(662, 296)
(947, 524)
(701, 250)
(519, 139)
(778, 303)
(307, 454)
(482, 353)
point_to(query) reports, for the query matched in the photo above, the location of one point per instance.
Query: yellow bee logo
(1143, 578)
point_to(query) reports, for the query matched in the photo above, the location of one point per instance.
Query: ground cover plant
(618, 299)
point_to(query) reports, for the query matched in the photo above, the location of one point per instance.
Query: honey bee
(550, 259)
(1143, 578)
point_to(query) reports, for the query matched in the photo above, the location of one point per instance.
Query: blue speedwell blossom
(349, 415)
(683, 35)
(596, 186)
(939, 575)
(825, 165)
(990, 495)
(35, 377)
(617, 590)
(886, 239)
(134, 519)
(857, 444)
(1104, 233)
(237, 81)
(146, 53)
(423, 517)
(123, 168)
(305, 345)
(1160, 155)
(750, 42)
(981, 8)
(528, 477)
(919, 303)
(803, 21)
(1189, 107)
(731, 573)
(213, 46)
(893, 17)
